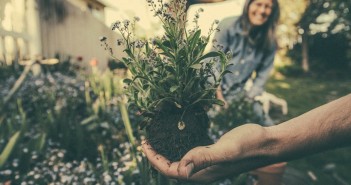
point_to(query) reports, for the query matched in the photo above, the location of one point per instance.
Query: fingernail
(189, 169)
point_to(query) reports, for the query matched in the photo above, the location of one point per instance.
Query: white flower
(126, 23)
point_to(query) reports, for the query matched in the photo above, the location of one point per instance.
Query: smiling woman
(251, 39)
(259, 12)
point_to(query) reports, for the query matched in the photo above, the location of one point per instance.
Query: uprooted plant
(173, 80)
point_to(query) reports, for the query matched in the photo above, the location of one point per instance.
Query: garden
(62, 122)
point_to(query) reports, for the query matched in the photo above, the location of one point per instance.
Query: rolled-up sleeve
(262, 75)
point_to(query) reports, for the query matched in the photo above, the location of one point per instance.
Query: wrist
(256, 147)
(265, 147)
(255, 141)
(276, 142)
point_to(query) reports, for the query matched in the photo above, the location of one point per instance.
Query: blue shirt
(246, 59)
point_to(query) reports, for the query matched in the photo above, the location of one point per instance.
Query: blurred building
(51, 28)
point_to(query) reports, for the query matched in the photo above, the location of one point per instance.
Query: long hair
(265, 37)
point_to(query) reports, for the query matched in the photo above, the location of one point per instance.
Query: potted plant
(173, 80)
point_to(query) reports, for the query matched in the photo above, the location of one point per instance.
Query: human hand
(170, 169)
(220, 96)
(229, 155)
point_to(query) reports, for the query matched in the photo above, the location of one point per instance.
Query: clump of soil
(164, 135)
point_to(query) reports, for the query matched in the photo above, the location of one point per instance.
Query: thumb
(194, 161)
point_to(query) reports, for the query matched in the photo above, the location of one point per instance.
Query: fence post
(33, 28)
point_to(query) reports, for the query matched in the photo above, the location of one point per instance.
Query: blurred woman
(251, 40)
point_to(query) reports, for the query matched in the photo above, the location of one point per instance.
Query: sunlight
(7, 22)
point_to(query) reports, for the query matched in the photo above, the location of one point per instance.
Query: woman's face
(259, 11)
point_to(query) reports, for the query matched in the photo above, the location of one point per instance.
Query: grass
(304, 93)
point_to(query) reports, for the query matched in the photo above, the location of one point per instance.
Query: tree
(326, 17)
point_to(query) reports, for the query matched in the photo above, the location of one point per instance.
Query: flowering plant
(171, 75)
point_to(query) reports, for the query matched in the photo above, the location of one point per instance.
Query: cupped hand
(228, 156)
(207, 174)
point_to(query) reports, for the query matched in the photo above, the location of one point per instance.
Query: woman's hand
(228, 156)
(219, 95)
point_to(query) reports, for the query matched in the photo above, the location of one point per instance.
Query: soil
(167, 139)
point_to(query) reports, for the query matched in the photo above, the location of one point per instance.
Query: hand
(204, 164)
(220, 96)
(171, 170)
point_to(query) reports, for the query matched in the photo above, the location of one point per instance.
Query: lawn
(304, 93)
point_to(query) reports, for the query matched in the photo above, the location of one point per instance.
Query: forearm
(323, 128)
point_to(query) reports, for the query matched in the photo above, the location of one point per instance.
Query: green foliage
(338, 8)
(239, 111)
(57, 122)
(171, 70)
(324, 27)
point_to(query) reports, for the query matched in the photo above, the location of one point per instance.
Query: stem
(18, 83)
(129, 131)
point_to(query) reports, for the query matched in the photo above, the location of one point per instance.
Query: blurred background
(62, 111)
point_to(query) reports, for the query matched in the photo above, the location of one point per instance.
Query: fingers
(195, 160)
(195, 165)
(159, 162)
(185, 168)
(155, 159)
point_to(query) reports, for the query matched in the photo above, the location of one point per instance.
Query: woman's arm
(251, 146)
(262, 75)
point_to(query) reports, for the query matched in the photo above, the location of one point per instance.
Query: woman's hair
(264, 37)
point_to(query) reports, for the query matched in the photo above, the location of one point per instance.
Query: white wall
(215, 11)
(148, 26)
(78, 36)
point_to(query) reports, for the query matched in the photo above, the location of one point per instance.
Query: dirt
(167, 139)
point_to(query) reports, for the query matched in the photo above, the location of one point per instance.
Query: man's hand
(204, 174)
(209, 163)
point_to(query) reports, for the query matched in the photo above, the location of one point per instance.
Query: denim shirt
(246, 59)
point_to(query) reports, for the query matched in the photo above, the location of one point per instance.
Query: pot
(270, 175)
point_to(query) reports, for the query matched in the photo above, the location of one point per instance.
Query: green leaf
(196, 66)
(89, 119)
(166, 43)
(190, 85)
(8, 148)
(126, 60)
(41, 142)
(140, 77)
(218, 102)
(225, 72)
(173, 88)
(160, 45)
(168, 54)
(178, 105)
(129, 53)
(170, 69)
(151, 73)
(147, 49)
(127, 81)
(208, 55)
(194, 39)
